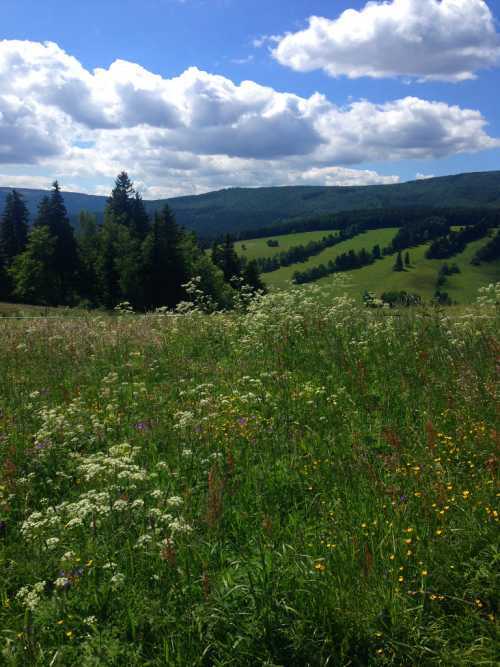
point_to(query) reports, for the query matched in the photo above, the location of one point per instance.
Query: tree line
(301, 253)
(129, 257)
(488, 253)
(437, 221)
(344, 262)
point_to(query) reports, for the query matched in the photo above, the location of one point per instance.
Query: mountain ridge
(233, 209)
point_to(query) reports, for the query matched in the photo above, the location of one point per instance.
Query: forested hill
(235, 209)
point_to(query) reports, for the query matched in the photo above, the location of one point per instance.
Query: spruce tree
(65, 247)
(14, 227)
(43, 219)
(164, 260)
(407, 259)
(229, 260)
(106, 270)
(140, 217)
(251, 276)
(129, 267)
(215, 255)
(52, 215)
(88, 247)
(33, 273)
(398, 265)
(120, 201)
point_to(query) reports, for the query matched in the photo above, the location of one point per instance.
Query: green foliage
(398, 264)
(128, 258)
(33, 273)
(251, 276)
(455, 242)
(227, 259)
(259, 488)
(400, 299)
(14, 227)
(488, 253)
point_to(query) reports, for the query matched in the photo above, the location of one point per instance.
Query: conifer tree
(129, 267)
(407, 259)
(164, 261)
(65, 247)
(398, 265)
(120, 201)
(106, 270)
(215, 255)
(52, 215)
(14, 227)
(251, 276)
(43, 219)
(33, 272)
(229, 260)
(88, 246)
(140, 217)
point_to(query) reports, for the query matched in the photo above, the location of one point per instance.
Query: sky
(197, 95)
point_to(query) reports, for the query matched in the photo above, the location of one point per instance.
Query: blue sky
(198, 95)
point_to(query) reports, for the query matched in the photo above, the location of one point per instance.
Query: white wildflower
(118, 579)
(175, 501)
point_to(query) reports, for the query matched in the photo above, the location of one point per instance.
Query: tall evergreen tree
(65, 247)
(407, 259)
(164, 261)
(43, 218)
(120, 201)
(88, 247)
(251, 276)
(33, 273)
(106, 269)
(229, 260)
(140, 217)
(14, 227)
(52, 214)
(130, 269)
(398, 265)
(215, 253)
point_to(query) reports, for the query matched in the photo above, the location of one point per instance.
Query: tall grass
(297, 485)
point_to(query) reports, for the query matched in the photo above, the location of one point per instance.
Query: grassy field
(259, 248)
(281, 278)
(420, 277)
(298, 485)
(26, 310)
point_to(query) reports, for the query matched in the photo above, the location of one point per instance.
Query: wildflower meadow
(298, 482)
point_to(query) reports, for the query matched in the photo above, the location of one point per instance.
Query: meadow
(297, 483)
(420, 277)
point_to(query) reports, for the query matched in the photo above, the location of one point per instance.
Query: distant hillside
(242, 208)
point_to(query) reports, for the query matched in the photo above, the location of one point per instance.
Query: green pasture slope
(258, 247)
(420, 277)
(281, 278)
(422, 274)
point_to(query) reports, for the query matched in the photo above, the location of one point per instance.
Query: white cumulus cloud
(428, 39)
(199, 131)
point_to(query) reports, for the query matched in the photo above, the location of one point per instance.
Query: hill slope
(421, 276)
(239, 208)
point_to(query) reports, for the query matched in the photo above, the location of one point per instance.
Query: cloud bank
(447, 40)
(200, 131)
